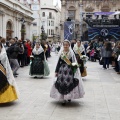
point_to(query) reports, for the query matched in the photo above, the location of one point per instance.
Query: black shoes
(64, 102)
(35, 77)
(69, 100)
(15, 75)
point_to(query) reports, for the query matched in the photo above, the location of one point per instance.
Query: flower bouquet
(31, 58)
(74, 67)
(84, 58)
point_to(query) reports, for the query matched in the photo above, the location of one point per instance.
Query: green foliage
(43, 36)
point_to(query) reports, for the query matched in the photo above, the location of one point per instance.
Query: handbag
(46, 69)
(101, 62)
(118, 58)
(84, 73)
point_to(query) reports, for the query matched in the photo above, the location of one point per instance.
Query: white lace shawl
(81, 48)
(5, 62)
(38, 51)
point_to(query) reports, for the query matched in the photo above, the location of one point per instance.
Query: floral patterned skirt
(66, 86)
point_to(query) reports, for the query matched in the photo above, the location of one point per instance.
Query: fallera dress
(67, 85)
(8, 87)
(80, 54)
(39, 66)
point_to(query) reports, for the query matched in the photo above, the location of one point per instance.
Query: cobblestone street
(101, 100)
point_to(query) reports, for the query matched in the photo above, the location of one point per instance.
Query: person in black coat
(13, 52)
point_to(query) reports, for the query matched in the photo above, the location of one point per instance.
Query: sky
(55, 1)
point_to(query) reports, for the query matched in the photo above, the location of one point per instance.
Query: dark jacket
(105, 53)
(13, 51)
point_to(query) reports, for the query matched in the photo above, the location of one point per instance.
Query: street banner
(69, 30)
(104, 32)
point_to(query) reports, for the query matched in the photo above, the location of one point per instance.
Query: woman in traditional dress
(39, 66)
(8, 87)
(81, 57)
(68, 84)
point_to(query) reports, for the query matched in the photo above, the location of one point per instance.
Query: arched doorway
(72, 13)
(23, 32)
(9, 30)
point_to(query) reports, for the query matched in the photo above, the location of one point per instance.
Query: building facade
(50, 18)
(36, 27)
(46, 18)
(51, 22)
(76, 10)
(15, 19)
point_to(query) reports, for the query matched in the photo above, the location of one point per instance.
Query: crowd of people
(106, 52)
(19, 52)
(70, 68)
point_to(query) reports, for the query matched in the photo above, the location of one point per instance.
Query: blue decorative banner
(104, 32)
(69, 30)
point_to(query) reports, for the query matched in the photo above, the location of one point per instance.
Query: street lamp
(22, 20)
(23, 30)
(81, 20)
(42, 29)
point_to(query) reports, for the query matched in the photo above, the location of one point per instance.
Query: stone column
(28, 33)
(63, 17)
(1, 24)
(4, 23)
(15, 27)
(31, 32)
(19, 30)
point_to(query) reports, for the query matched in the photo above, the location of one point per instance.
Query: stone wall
(13, 11)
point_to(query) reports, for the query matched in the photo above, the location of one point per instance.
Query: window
(50, 15)
(49, 23)
(52, 23)
(53, 31)
(43, 14)
(49, 31)
(71, 14)
(35, 24)
(43, 22)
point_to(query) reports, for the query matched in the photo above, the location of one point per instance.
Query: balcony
(103, 22)
(52, 18)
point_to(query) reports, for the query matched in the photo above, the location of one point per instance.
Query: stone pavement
(101, 101)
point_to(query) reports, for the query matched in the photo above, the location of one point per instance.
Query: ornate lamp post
(23, 30)
(42, 29)
(81, 20)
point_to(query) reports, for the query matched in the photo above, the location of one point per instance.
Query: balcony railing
(50, 18)
(99, 22)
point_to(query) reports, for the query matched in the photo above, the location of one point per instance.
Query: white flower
(75, 64)
(83, 56)
(32, 56)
